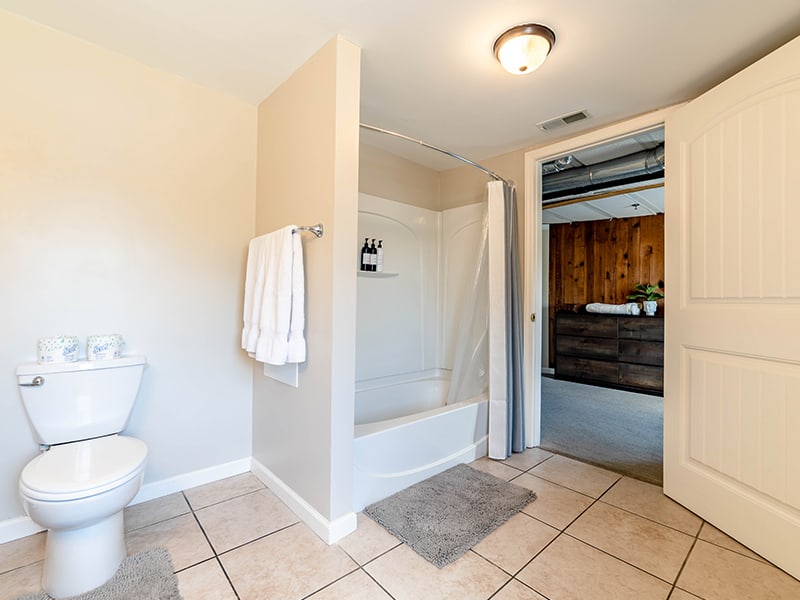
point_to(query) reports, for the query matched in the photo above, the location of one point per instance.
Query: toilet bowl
(87, 473)
(78, 492)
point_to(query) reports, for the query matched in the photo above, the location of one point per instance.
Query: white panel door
(732, 379)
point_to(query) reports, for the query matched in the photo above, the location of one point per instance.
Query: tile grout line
(213, 549)
(242, 495)
(561, 531)
(330, 583)
(685, 561)
(378, 583)
(646, 518)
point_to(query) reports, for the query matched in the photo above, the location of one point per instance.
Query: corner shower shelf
(377, 274)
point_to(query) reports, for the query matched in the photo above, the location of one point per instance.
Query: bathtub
(405, 433)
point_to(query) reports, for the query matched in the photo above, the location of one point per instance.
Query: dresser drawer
(641, 328)
(586, 325)
(645, 353)
(587, 369)
(641, 376)
(588, 347)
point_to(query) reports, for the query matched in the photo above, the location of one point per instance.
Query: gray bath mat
(144, 576)
(447, 514)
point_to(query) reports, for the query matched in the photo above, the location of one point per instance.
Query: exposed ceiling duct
(560, 179)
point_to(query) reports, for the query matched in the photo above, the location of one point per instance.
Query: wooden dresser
(610, 350)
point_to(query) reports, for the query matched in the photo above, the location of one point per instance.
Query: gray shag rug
(144, 576)
(443, 516)
(620, 431)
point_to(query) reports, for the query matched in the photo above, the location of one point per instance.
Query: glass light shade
(523, 49)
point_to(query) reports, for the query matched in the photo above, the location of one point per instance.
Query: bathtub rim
(368, 429)
(376, 383)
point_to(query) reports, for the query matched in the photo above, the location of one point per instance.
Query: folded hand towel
(253, 292)
(631, 308)
(296, 352)
(274, 298)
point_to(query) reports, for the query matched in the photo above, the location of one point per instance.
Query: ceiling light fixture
(522, 49)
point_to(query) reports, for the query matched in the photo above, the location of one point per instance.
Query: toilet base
(79, 560)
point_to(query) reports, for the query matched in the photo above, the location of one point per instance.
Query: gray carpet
(144, 576)
(620, 431)
(447, 514)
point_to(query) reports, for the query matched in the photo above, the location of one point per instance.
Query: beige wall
(127, 197)
(307, 173)
(389, 176)
(467, 185)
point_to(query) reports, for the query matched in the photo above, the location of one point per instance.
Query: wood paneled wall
(601, 261)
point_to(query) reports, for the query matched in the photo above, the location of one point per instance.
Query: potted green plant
(647, 294)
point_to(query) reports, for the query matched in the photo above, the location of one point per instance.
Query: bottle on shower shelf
(379, 264)
(365, 255)
(373, 257)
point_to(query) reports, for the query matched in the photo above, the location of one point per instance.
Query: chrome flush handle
(35, 382)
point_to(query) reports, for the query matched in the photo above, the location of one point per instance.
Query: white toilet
(78, 487)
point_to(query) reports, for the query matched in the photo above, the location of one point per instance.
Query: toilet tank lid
(80, 365)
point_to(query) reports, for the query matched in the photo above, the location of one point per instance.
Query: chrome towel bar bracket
(317, 229)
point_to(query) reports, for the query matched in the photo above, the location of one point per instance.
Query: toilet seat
(83, 469)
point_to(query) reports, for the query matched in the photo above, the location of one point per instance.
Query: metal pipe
(491, 174)
(642, 163)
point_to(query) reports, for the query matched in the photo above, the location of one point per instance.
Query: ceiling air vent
(563, 120)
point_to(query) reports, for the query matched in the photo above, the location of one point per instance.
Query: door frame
(532, 261)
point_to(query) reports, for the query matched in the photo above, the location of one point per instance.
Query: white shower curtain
(489, 347)
(470, 375)
(506, 395)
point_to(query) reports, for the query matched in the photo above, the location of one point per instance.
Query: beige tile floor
(591, 534)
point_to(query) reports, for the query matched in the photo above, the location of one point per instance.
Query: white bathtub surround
(406, 341)
(400, 395)
(398, 316)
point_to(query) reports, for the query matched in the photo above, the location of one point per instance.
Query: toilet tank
(67, 402)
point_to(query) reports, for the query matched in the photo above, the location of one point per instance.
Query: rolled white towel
(630, 308)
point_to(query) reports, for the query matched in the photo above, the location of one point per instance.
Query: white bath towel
(630, 308)
(274, 299)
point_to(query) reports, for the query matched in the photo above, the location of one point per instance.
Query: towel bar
(317, 229)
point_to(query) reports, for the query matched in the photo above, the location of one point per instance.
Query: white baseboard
(548, 371)
(164, 487)
(329, 531)
(16, 528)
(20, 527)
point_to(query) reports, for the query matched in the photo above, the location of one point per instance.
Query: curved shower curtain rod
(491, 174)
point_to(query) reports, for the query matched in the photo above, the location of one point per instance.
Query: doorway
(602, 361)
(570, 407)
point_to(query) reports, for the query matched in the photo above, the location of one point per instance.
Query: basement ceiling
(633, 204)
(609, 201)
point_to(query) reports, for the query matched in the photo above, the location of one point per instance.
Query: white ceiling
(631, 204)
(427, 66)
